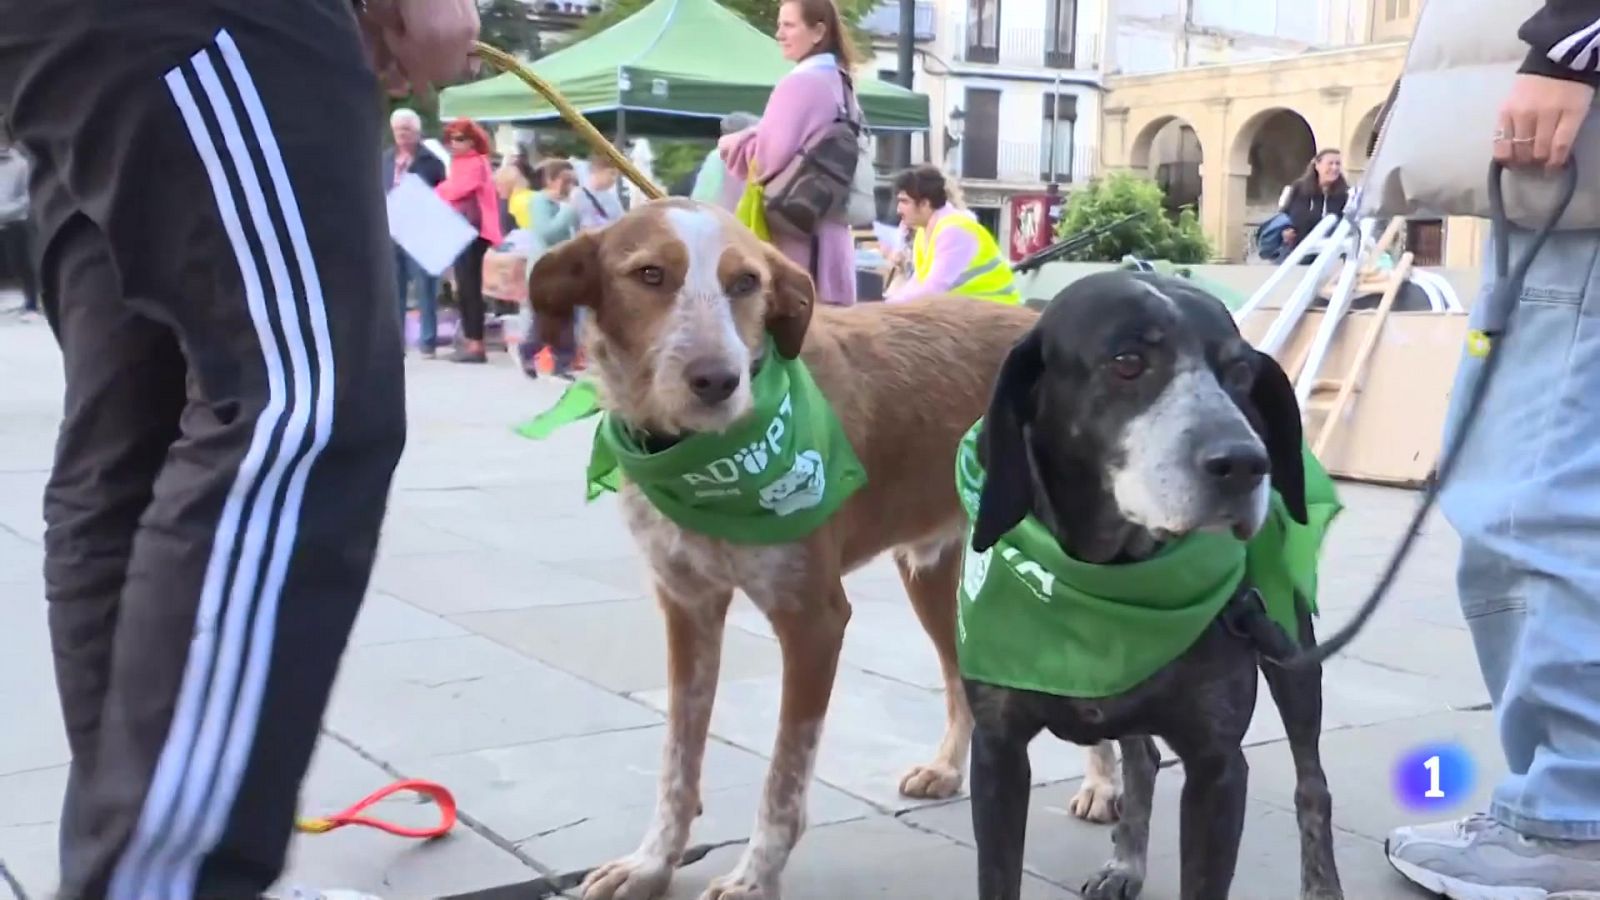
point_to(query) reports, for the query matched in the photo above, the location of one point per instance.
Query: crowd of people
(529, 205)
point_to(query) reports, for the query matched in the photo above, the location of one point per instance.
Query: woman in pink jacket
(807, 100)
(469, 188)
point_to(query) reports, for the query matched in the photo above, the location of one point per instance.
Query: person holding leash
(951, 253)
(1525, 492)
(235, 401)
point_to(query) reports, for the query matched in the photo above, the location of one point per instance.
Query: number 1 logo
(1434, 777)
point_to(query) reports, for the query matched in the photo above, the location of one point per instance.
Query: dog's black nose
(1235, 467)
(711, 380)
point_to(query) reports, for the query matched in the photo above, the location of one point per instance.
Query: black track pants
(217, 270)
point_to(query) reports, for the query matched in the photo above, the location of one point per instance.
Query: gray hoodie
(13, 186)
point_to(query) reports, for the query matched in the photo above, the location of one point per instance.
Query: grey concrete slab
(22, 480)
(405, 536)
(1359, 763)
(884, 637)
(874, 858)
(1067, 851)
(627, 571)
(365, 859)
(408, 701)
(624, 647)
(28, 826)
(20, 558)
(876, 729)
(479, 579)
(31, 733)
(578, 802)
(386, 619)
(596, 532)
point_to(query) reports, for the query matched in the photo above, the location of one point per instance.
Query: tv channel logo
(1434, 777)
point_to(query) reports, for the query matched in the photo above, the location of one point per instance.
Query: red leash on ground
(440, 795)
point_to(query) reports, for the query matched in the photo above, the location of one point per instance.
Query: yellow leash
(505, 62)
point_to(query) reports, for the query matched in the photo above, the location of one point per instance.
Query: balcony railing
(883, 21)
(1027, 162)
(1029, 48)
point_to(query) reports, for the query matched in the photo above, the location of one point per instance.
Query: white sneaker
(1477, 858)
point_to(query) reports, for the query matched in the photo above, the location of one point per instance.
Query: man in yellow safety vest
(952, 253)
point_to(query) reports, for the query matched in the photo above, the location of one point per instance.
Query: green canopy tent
(672, 69)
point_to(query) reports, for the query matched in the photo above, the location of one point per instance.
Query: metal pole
(906, 44)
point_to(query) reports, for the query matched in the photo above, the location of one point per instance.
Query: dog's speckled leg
(811, 636)
(1123, 877)
(1211, 821)
(931, 580)
(694, 657)
(1099, 797)
(1298, 695)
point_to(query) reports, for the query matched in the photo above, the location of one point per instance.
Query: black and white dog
(1132, 414)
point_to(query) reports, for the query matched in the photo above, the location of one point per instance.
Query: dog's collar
(657, 442)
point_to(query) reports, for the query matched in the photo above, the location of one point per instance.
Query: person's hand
(1539, 120)
(727, 143)
(417, 44)
(1289, 235)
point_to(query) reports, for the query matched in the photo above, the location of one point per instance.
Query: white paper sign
(889, 238)
(425, 226)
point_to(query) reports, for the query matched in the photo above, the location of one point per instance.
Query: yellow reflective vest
(988, 276)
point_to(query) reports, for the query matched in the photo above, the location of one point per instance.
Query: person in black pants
(217, 271)
(469, 188)
(16, 229)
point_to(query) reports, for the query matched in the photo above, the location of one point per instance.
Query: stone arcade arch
(1274, 146)
(1169, 151)
(1356, 156)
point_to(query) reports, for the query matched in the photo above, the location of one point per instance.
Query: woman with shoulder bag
(806, 104)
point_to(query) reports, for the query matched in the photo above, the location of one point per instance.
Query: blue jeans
(406, 270)
(1525, 498)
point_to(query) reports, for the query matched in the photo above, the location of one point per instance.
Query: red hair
(464, 127)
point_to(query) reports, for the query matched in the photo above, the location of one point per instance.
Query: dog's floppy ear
(563, 279)
(790, 300)
(1007, 496)
(1272, 395)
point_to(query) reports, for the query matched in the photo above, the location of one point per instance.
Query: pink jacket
(470, 176)
(804, 102)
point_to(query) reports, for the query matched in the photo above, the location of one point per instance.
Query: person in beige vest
(1525, 494)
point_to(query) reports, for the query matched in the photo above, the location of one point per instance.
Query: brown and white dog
(683, 299)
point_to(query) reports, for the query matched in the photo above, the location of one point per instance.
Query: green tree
(505, 24)
(1154, 235)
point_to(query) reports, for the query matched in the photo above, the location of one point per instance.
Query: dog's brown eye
(652, 275)
(1128, 365)
(745, 283)
(1239, 376)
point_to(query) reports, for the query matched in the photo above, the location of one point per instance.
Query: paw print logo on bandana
(753, 458)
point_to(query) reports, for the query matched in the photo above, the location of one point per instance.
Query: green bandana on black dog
(773, 477)
(1031, 617)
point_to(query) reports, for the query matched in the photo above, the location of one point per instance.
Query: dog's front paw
(1097, 801)
(931, 781)
(1114, 882)
(631, 878)
(735, 887)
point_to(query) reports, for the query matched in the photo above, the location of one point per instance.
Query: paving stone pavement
(509, 649)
